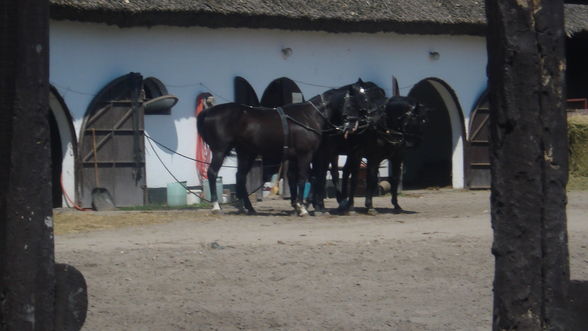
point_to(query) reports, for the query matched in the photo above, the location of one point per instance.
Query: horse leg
(292, 184)
(215, 164)
(301, 176)
(320, 166)
(396, 163)
(244, 164)
(351, 169)
(345, 185)
(354, 172)
(335, 177)
(372, 181)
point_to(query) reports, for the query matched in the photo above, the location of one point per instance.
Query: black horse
(399, 127)
(352, 123)
(291, 133)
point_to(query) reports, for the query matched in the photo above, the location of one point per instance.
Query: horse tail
(200, 124)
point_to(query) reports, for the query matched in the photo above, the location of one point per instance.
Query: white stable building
(109, 59)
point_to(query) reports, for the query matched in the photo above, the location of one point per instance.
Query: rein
(391, 136)
(324, 116)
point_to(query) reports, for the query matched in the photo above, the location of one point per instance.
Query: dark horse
(399, 126)
(352, 123)
(294, 136)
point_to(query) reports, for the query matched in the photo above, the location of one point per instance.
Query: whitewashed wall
(85, 57)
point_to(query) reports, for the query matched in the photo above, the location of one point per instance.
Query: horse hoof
(321, 213)
(372, 212)
(251, 212)
(216, 211)
(342, 211)
(300, 210)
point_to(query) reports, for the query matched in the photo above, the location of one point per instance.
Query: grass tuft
(578, 145)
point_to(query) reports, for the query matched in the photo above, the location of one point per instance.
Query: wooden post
(529, 152)
(26, 235)
(35, 293)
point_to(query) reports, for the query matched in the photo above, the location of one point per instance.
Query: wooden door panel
(112, 144)
(478, 144)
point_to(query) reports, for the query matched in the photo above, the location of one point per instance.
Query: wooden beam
(27, 285)
(529, 152)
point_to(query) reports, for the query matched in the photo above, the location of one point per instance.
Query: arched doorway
(438, 161)
(112, 150)
(112, 143)
(281, 91)
(63, 145)
(244, 92)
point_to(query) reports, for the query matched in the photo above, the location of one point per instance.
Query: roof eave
(125, 19)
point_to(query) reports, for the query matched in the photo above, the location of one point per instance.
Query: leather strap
(285, 130)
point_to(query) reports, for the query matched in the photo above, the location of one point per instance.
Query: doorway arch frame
(69, 145)
(458, 131)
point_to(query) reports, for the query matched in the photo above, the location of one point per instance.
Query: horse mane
(343, 89)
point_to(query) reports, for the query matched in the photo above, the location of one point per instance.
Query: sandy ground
(426, 269)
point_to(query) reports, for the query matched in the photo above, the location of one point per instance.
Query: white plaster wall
(85, 57)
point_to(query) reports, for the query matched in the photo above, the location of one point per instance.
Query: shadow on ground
(578, 308)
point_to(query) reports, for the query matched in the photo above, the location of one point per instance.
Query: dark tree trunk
(27, 271)
(529, 155)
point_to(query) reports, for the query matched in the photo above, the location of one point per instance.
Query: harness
(285, 130)
(334, 127)
(390, 136)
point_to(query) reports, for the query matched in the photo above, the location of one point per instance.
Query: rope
(171, 174)
(68, 200)
(177, 180)
(177, 153)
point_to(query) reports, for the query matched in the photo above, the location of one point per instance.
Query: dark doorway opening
(244, 92)
(429, 165)
(577, 66)
(280, 92)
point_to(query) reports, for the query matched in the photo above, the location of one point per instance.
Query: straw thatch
(402, 16)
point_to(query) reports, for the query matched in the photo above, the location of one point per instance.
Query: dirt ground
(429, 268)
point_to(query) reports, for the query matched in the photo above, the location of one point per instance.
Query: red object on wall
(203, 155)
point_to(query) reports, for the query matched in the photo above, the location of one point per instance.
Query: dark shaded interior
(281, 92)
(56, 160)
(577, 66)
(429, 165)
(244, 92)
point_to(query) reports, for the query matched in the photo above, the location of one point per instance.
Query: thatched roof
(402, 16)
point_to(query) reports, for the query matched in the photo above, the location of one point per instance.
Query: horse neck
(330, 103)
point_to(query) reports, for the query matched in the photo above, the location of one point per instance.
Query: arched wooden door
(478, 144)
(111, 148)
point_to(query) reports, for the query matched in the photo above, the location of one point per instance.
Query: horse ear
(359, 81)
(395, 88)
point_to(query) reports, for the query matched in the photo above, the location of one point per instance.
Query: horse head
(362, 101)
(406, 116)
(350, 101)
